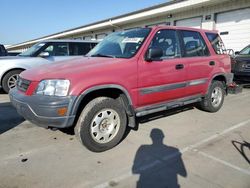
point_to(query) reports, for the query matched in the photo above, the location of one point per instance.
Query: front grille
(23, 84)
(247, 66)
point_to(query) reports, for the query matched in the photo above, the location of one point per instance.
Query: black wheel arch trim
(227, 76)
(9, 70)
(96, 88)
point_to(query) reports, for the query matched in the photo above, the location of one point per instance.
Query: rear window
(216, 43)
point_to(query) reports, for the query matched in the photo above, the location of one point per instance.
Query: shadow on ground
(9, 118)
(158, 165)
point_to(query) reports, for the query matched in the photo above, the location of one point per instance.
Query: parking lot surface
(185, 147)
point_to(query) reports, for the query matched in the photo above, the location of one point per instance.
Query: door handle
(212, 63)
(179, 66)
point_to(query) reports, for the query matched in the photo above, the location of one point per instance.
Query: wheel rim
(105, 126)
(216, 96)
(12, 81)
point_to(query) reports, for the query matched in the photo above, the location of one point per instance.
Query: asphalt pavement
(185, 147)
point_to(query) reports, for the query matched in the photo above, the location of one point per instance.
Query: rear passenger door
(80, 49)
(199, 63)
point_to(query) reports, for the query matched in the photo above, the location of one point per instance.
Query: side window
(167, 40)
(194, 45)
(216, 43)
(93, 45)
(57, 49)
(80, 48)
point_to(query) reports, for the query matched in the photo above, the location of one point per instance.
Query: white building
(230, 17)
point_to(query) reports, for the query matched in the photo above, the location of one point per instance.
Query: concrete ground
(185, 147)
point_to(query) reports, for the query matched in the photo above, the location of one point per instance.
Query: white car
(39, 54)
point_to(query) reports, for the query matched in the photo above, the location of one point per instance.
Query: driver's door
(57, 51)
(162, 79)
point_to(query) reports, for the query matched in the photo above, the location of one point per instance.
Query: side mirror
(44, 54)
(237, 53)
(230, 52)
(154, 54)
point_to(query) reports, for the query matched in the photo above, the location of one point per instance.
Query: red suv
(129, 74)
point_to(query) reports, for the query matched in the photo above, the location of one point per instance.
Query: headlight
(53, 87)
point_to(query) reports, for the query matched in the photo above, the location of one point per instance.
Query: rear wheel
(102, 124)
(215, 97)
(10, 79)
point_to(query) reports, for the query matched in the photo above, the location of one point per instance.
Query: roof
(71, 40)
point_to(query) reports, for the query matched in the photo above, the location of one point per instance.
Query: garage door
(234, 27)
(190, 22)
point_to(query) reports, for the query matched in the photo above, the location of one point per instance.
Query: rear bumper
(43, 110)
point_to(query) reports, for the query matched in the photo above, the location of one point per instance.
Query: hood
(19, 62)
(242, 58)
(70, 68)
(12, 57)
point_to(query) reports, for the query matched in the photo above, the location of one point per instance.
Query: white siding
(190, 22)
(100, 36)
(236, 28)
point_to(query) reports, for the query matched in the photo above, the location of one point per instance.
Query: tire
(9, 80)
(213, 101)
(101, 124)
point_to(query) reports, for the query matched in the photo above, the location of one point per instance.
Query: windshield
(124, 44)
(245, 51)
(32, 50)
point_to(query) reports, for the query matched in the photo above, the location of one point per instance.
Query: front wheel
(10, 79)
(102, 124)
(215, 97)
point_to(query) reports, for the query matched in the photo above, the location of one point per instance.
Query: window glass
(166, 40)
(245, 51)
(80, 48)
(216, 43)
(57, 49)
(194, 45)
(34, 49)
(124, 44)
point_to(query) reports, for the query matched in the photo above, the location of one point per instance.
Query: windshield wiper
(103, 55)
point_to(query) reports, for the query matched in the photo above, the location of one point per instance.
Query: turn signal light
(62, 111)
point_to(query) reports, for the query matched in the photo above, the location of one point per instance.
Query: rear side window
(194, 45)
(80, 48)
(216, 43)
(167, 40)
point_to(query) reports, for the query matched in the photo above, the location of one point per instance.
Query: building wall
(169, 18)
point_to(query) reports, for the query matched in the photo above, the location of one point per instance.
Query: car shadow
(158, 165)
(1, 91)
(245, 85)
(141, 120)
(9, 118)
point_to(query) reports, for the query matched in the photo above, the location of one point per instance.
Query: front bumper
(43, 110)
(242, 76)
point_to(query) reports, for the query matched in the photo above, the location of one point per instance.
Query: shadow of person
(158, 165)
